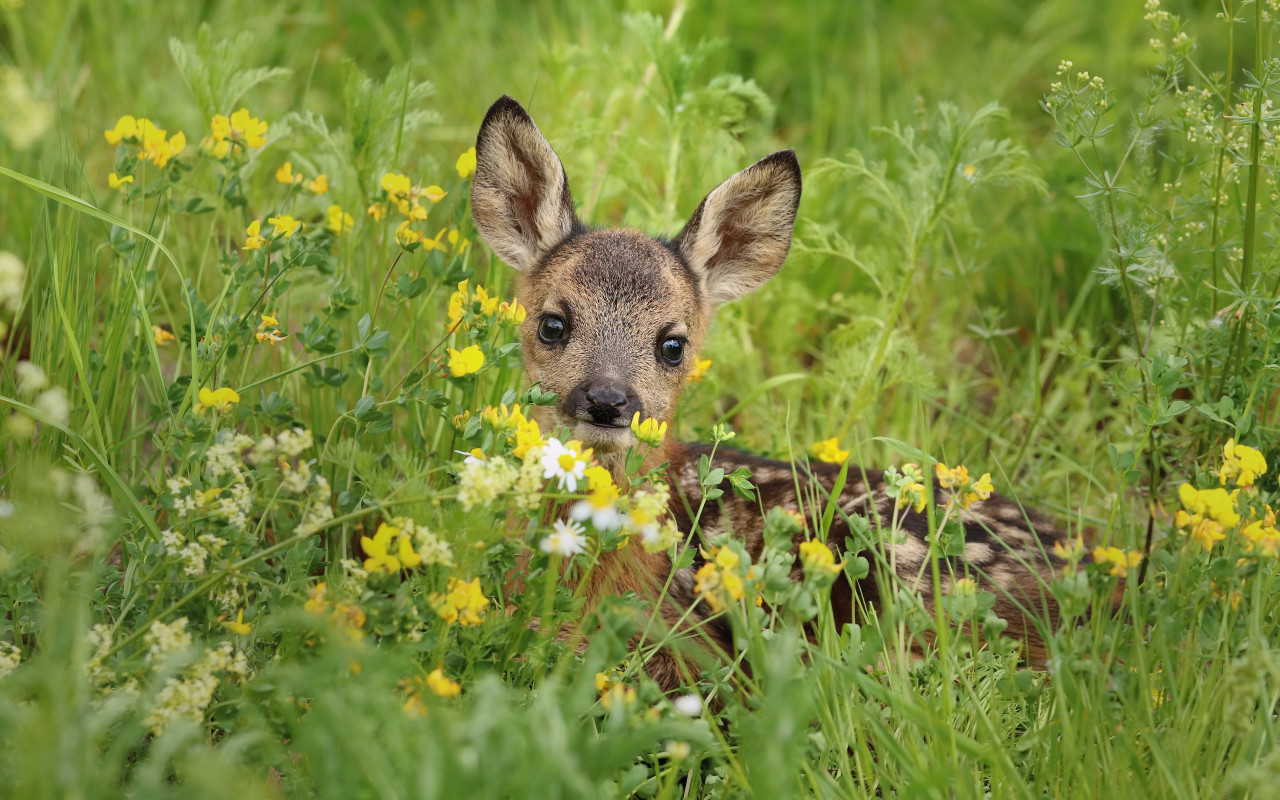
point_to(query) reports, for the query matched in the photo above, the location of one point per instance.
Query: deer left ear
(739, 237)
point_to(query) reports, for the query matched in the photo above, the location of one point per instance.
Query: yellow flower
(239, 627)
(1241, 464)
(337, 221)
(117, 182)
(465, 362)
(817, 559)
(379, 560)
(1216, 503)
(316, 602)
(719, 581)
(466, 163)
(269, 321)
(951, 478)
(528, 437)
(284, 224)
(964, 490)
(271, 337)
(213, 147)
(442, 686)
(434, 193)
(463, 300)
(377, 211)
(153, 146)
(407, 555)
(220, 399)
(240, 127)
(397, 187)
(601, 491)
(1120, 561)
(287, 176)
(406, 237)
(700, 367)
(1262, 535)
(828, 450)
(463, 602)
(914, 493)
(454, 237)
(1071, 552)
(126, 129)
(512, 312)
(320, 185)
(162, 336)
(650, 432)
(255, 239)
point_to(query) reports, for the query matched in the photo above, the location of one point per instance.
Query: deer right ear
(520, 197)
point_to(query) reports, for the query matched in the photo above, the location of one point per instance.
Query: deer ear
(740, 234)
(520, 198)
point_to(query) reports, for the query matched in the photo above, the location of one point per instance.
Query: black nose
(603, 402)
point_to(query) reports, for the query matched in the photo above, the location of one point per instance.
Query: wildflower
(828, 450)
(240, 127)
(396, 186)
(287, 176)
(219, 399)
(463, 602)
(964, 490)
(817, 559)
(164, 640)
(377, 211)
(677, 751)
(10, 658)
(1071, 552)
(379, 560)
(316, 602)
(442, 686)
(512, 313)
(268, 321)
(466, 163)
(906, 485)
(54, 405)
(464, 300)
(566, 462)
(161, 336)
(30, 378)
(970, 172)
(650, 432)
(690, 705)
(1215, 503)
(467, 361)
(320, 185)
(1241, 464)
(284, 224)
(155, 148)
(434, 193)
(239, 627)
(117, 182)
(1120, 561)
(255, 239)
(126, 129)
(349, 619)
(406, 237)
(566, 539)
(502, 418)
(454, 239)
(271, 337)
(718, 581)
(964, 587)
(337, 221)
(528, 438)
(700, 367)
(1261, 535)
(599, 506)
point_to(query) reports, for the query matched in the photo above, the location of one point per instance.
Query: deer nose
(603, 402)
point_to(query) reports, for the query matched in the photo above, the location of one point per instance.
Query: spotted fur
(620, 294)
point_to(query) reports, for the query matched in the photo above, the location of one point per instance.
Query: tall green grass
(1070, 287)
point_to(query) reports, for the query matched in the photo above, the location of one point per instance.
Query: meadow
(249, 340)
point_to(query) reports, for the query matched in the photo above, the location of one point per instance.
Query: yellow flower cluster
(1206, 513)
(720, 582)
(463, 602)
(218, 399)
(1120, 561)
(241, 129)
(650, 431)
(818, 561)
(414, 545)
(964, 491)
(1261, 535)
(154, 144)
(828, 451)
(287, 176)
(479, 302)
(1240, 464)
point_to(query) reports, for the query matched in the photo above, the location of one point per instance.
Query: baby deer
(616, 319)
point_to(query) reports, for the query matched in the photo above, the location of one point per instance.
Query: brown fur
(620, 294)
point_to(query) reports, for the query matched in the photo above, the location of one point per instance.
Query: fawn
(615, 321)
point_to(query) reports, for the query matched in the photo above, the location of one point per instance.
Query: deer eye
(672, 350)
(551, 328)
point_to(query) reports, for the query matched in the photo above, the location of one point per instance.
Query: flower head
(828, 451)
(565, 540)
(377, 549)
(1120, 561)
(320, 185)
(462, 602)
(466, 361)
(219, 399)
(162, 337)
(240, 127)
(286, 175)
(466, 163)
(126, 130)
(254, 232)
(407, 237)
(337, 221)
(117, 182)
(700, 367)
(239, 627)
(442, 686)
(650, 432)
(817, 559)
(284, 225)
(565, 462)
(1241, 464)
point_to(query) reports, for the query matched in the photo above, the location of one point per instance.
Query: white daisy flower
(689, 705)
(566, 465)
(566, 539)
(602, 519)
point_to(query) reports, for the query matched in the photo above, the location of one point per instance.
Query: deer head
(616, 318)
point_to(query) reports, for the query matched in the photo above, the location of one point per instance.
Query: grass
(1000, 262)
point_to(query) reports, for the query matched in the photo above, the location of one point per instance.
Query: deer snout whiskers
(603, 401)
